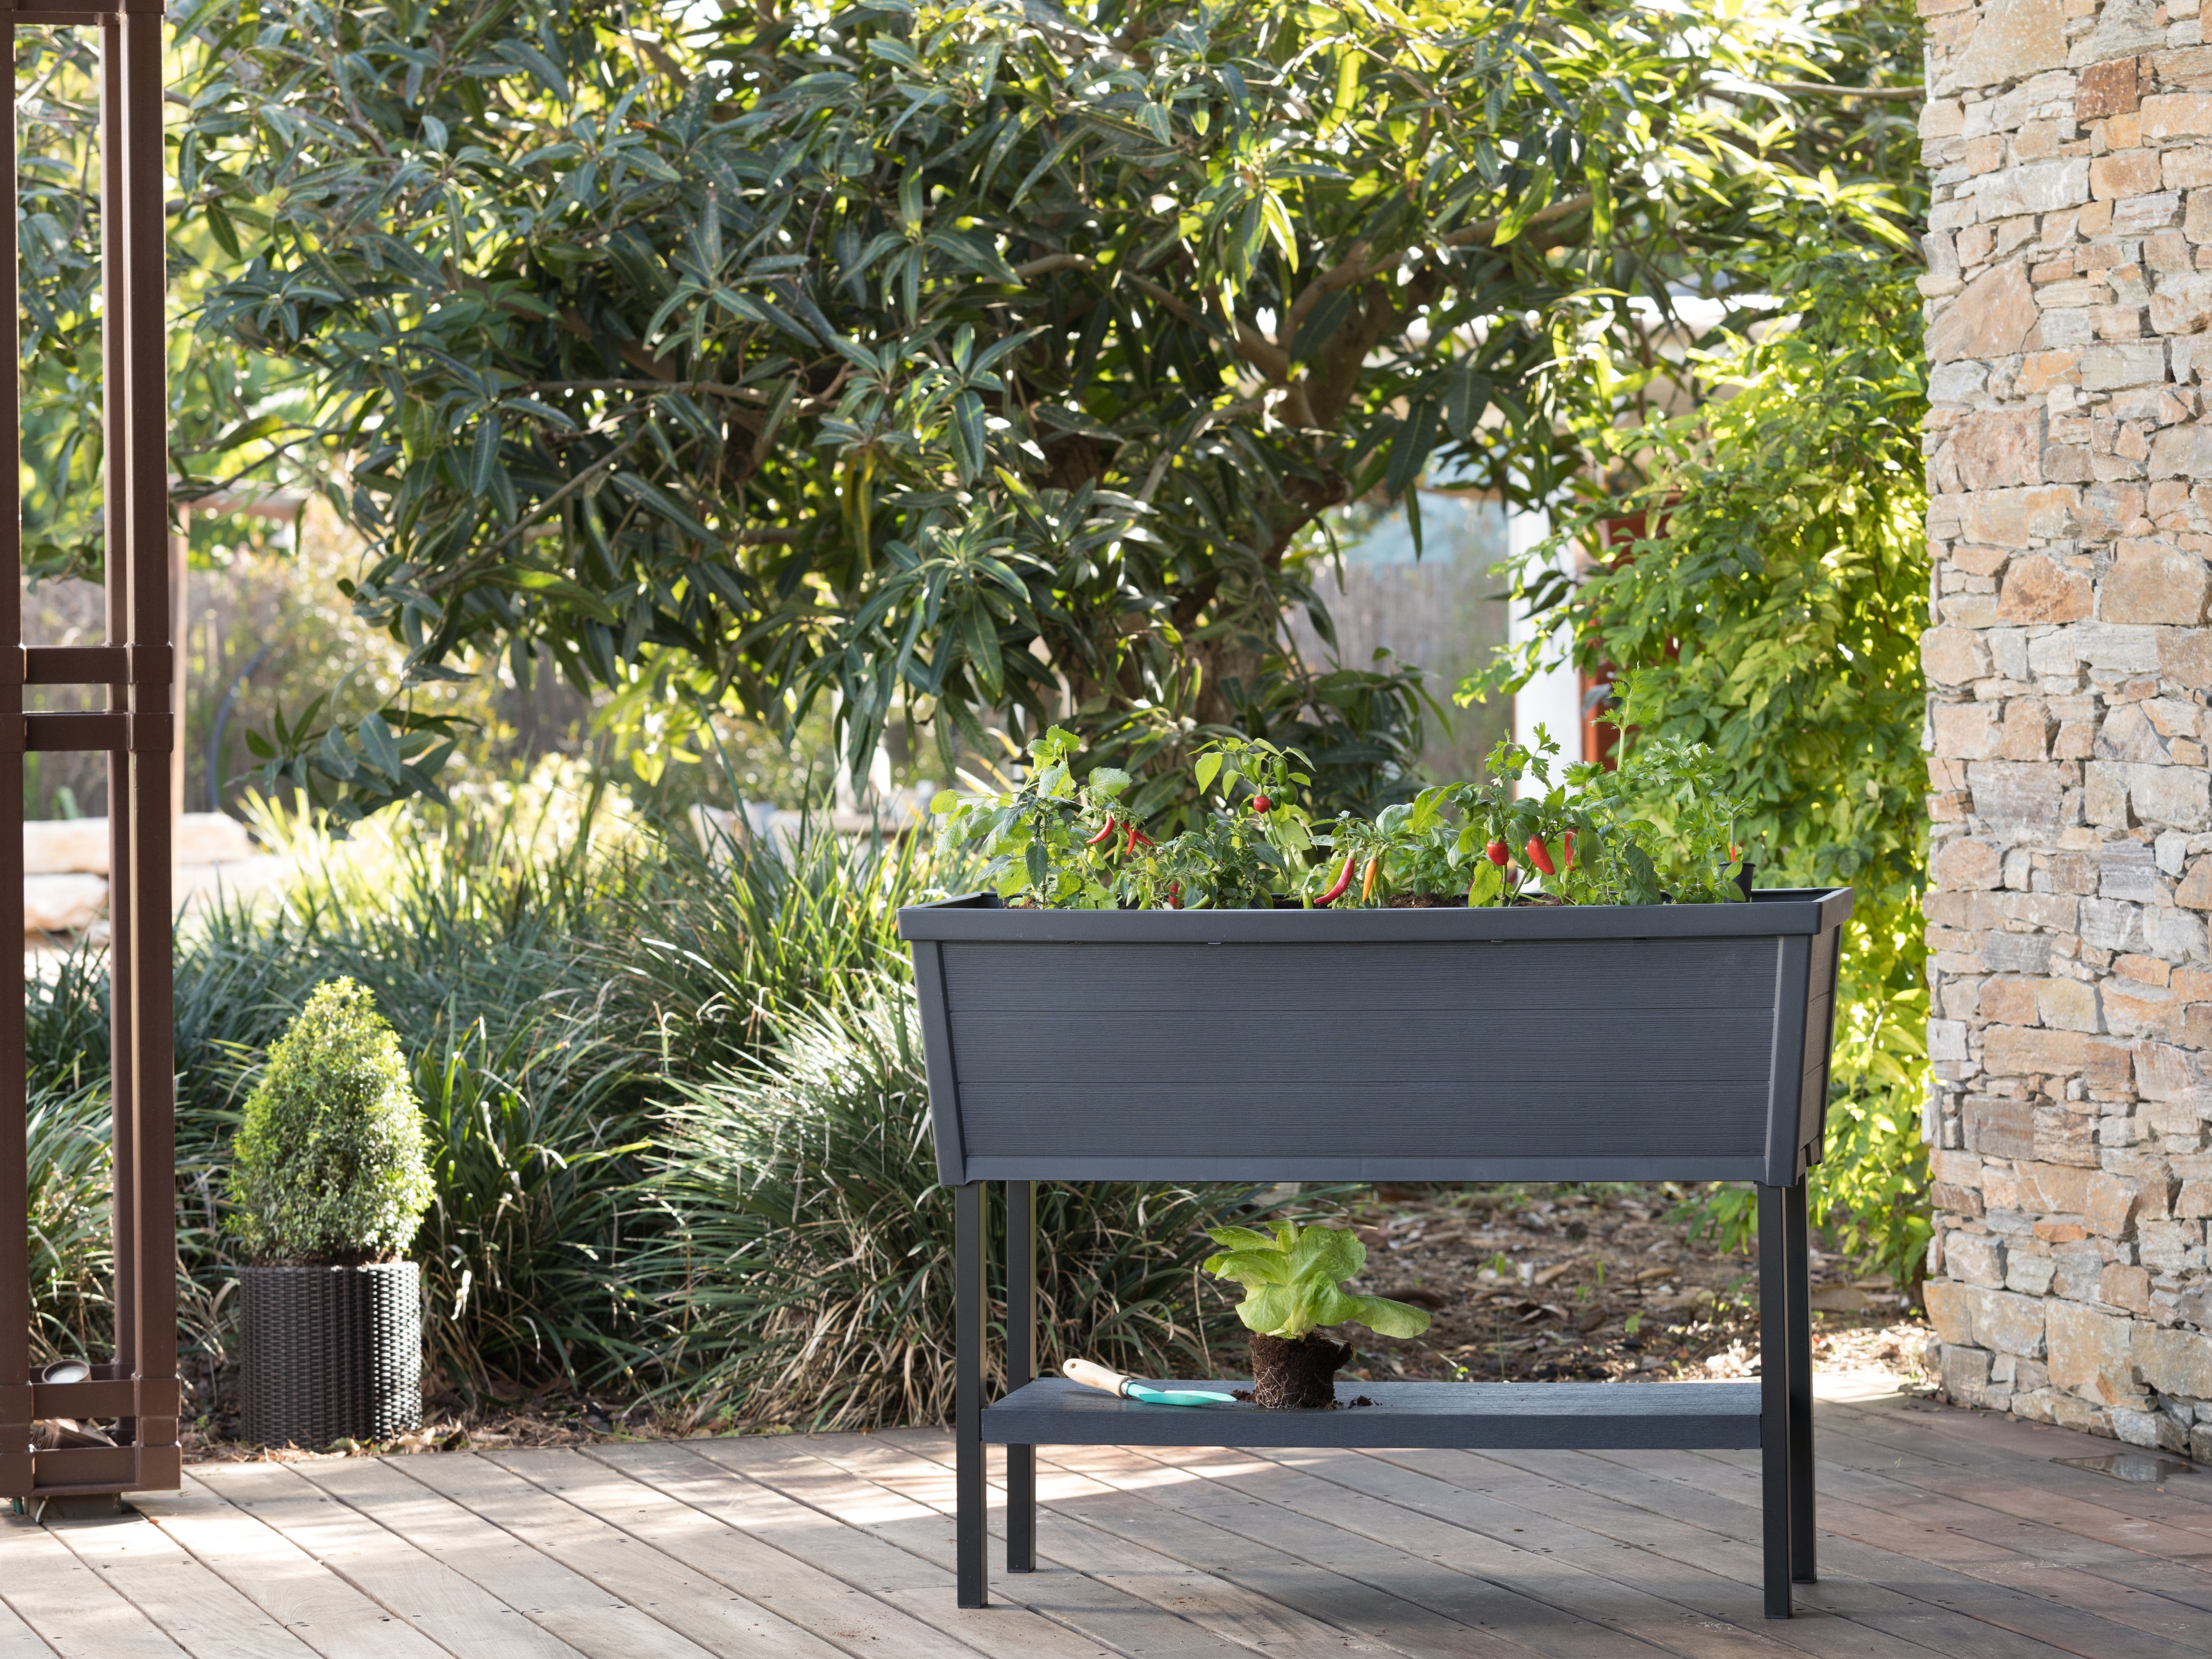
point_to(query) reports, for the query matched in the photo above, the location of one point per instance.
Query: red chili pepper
(1103, 836)
(1500, 854)
(1136, 835)
(1175, 895)
(1262, 804)
(1538, 855)
(1343, 881)
(1571, 850)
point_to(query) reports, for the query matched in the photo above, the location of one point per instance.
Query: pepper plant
(1052, 838)
(1062, 841)
(1293, 1281)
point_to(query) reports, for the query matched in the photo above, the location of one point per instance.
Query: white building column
(1553, 698)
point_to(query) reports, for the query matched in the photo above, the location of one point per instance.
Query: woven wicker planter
(330, 1353)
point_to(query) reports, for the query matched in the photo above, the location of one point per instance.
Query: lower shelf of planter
(1559, 1416)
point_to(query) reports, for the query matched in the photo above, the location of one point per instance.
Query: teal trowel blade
(1175, 1396)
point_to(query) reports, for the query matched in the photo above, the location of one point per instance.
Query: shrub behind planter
(332, 1180)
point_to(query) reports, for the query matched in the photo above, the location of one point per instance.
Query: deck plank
(193, 1607)
(1962, 1512)
(801, 1472)
(728, 1614)
(1941, 1449)
(732, 1526)
(2189, 1552)
(1998, 1439)
(17, 1639)
(1521, 1594)
(2047, 1564)
(415, 1585)
(1452, 1485)
(1118, 1492)
(294, 1588)
(78, 1614)
(1682, 1572)
(1945, 1534)
(2007, 1619)
(1221, 1606)
(591, 1619)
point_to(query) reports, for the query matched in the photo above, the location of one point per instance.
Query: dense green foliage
(1773, 611)
(958, 359)
(1775, 617)
(239, 419)
(608, 1028)
(331, 1162)
(1766, 601)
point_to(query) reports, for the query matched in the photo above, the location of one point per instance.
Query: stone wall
(2070, 463)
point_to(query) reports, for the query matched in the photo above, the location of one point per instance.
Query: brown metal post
(180, 562)
(16, 1398)
(115, 364)
(153, 1183)
(138, 1388)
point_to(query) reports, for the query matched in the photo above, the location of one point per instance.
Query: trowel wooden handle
(1094, 1376)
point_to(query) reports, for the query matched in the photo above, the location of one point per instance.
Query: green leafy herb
(1293, 1281)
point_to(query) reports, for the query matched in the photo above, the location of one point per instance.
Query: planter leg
(969, 1492)
(1774, 1396)
(1021, 1368)
(1803, 1568)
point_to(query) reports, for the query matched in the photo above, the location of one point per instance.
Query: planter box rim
(323, 1267)
(1772, 911)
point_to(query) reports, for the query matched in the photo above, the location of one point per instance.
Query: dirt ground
(1529, 1284)
(1542, 1284)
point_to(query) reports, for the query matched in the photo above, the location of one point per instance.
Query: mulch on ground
(1543, 1284)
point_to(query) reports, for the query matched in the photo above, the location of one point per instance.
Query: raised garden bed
(1435, 1044)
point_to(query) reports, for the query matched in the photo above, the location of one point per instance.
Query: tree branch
(1356, 267)
(1822, 90)
(685, 388)
(1050, 263)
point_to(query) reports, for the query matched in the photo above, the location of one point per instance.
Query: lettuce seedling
(1292, 1282)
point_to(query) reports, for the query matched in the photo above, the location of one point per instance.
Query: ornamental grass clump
(332, 1163)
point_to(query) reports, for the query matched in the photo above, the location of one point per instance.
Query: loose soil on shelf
(1523, 1285)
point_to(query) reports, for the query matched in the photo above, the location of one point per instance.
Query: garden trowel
(1097, 1377)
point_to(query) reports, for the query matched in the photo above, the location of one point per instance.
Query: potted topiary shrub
(1293, 1283)
(331, 1178)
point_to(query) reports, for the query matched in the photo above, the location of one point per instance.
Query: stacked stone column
(2069, 667)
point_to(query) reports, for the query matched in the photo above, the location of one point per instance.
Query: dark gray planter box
(330, 1353)
(1573, 1043)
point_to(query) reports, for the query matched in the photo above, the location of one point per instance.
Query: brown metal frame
(139, 1385)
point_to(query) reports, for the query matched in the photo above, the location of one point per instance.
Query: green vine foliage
(331, 1164)
(1772, 612)
(950, 362)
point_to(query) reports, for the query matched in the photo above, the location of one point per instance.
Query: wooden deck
(1942, 1532)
